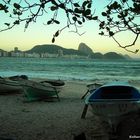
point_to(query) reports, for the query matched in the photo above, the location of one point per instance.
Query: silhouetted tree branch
(119, 16)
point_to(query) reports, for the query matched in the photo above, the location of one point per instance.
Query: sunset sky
(38, 33)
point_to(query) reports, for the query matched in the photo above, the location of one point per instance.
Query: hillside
(113, 55)
(83, 50)
(53, 49)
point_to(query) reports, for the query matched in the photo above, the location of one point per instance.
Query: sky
(38, 33)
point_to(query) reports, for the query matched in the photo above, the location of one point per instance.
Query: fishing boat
(32, 90)
(35, 90)
(39, 91)
(113, 101)
(57, 83)
(8, 86)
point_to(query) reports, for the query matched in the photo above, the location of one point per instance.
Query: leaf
(4, 7)
(14, 11)
(57, 33)
(104, 14)
(19, 13)
(110, 19)
(8, 1)
(16, 22)
(17, 6)
(42, 5)
(111, 33)
(137, 51)
(102, 33)
(8, 24)
(95, 18)
(26, 25)
(115, 5)
(79, 22)
(56, 21)
(107, 28)
(138, 29)
(119, 16)
(83, 19)
(85, 3)
(53, 40)
(76, 5)
(124, 1)
(89, 17)
(53, 8)
(6, 11)
(1, 7)
(74, 18)
(61, 5)
(77, 15)
(89, 5)
(102, 25)
(87, 12)
(76, 10)
(69, 10)
(49, 22)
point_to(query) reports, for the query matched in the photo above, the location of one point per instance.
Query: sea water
(71, 69)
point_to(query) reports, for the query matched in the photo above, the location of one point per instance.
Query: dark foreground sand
(50, 120)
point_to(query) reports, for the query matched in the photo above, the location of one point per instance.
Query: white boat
(113, 101)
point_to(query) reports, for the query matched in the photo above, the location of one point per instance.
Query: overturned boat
(113, 101)
(32, 90)
(8, 86)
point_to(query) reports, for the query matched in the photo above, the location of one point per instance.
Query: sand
(57, 120)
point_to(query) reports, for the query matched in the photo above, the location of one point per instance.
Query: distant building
(0, 53)
(60, 53)
(5, 54)
(16, 49)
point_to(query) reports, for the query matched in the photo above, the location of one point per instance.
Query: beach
(56, 120)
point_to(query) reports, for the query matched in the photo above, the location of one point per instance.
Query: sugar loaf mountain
(83, 51)
(53, 51)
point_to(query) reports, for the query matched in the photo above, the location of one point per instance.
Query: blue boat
(113, 101)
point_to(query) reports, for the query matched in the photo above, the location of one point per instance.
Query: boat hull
(114, 101)
(8, 87)
(37, 91)
(113, 111)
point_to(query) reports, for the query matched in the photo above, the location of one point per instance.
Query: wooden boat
(39, 91)
(33, 90)
(56, 83)
(113, 101)
(8, 86)
(18, 77)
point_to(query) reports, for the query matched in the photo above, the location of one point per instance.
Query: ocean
(71, 69)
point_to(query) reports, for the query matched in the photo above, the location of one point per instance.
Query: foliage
(119, 15)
